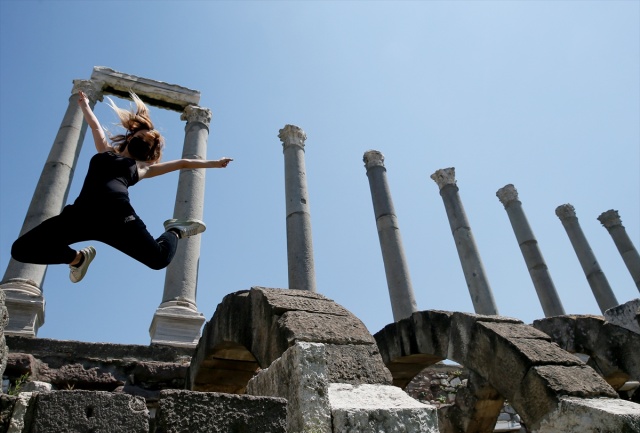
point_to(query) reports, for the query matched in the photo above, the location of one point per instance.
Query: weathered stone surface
(260, 325)
(602, 415)
(503, 353)
(299, 376)
(283, 300)
(89, 411)
(626, 315)
(324, 328)
(617, 354)
(540, 390)
(210, 412)
(104, 367)
(7, 403)
(356, 364)
(612, 349)
(461, 333)
(378, 408)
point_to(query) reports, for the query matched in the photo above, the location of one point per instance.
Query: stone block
(379, 408)
(432, 332)
(283, 300)
(601, 415)
(540, 390)
(461, 333)
(324, 328)
(89, 412)
(356, 364)
(210, 412)
(299, 376)
(504, 352)
(7, 403)
(626, 315)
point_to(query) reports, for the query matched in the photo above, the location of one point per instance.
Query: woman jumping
(102, 211)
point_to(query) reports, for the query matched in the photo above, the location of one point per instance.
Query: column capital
(195, 113)
(373, 158)
(444, 177)
(610, 219)
(507, 194)
(292, 135)
(566, 211)
(91, 88)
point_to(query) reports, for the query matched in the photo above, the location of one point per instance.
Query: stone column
(22, 282)
(177, 321)
(596, 278)
(538, 270)
(481, 295)
(403, 302)
(612, 222)
(299, 241)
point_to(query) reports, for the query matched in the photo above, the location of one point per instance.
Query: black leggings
(116, 225)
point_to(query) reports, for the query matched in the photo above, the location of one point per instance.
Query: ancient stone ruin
(292, 360)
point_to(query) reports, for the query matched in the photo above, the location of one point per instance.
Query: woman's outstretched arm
(100, 140)
(179, 164)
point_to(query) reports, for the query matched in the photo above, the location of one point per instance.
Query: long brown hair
(141, 139)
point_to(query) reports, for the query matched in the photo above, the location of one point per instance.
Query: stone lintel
(176, 326)
(157, 93)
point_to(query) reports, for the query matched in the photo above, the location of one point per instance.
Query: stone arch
(519, 362)
(612, 350)
(252, 328)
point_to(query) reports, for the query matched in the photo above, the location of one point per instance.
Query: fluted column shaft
(403, 302)
(22, 282)
(474, 273)
(299, 239)
(612, 222)
(536, 265)
(177, 321)
(596, 278)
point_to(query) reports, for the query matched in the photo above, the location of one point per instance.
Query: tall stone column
(22, 282)
(596, 278)
(177, 321)
(612, 222)
(481, 295)
(536, 265)
(403, 302)
(302, 274)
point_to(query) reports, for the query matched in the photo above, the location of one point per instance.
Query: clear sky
(543, 95)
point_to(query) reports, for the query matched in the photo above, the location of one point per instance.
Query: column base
(25, 305)
(175, 325)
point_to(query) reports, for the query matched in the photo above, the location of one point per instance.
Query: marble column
(403, 302)
(299, 241)
(546, 290)
(612, 222)
(22, 282)
(177, 321)
(479, 289)
(596, 278)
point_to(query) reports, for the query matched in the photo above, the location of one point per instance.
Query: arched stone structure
(507, 360)
(613, 351)
(251, 329)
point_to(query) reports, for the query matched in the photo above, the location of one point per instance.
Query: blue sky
(543, 95)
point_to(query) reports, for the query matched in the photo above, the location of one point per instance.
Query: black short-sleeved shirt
(109, 177)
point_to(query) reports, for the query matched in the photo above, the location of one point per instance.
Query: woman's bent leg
(133, 239)
(48, 243)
